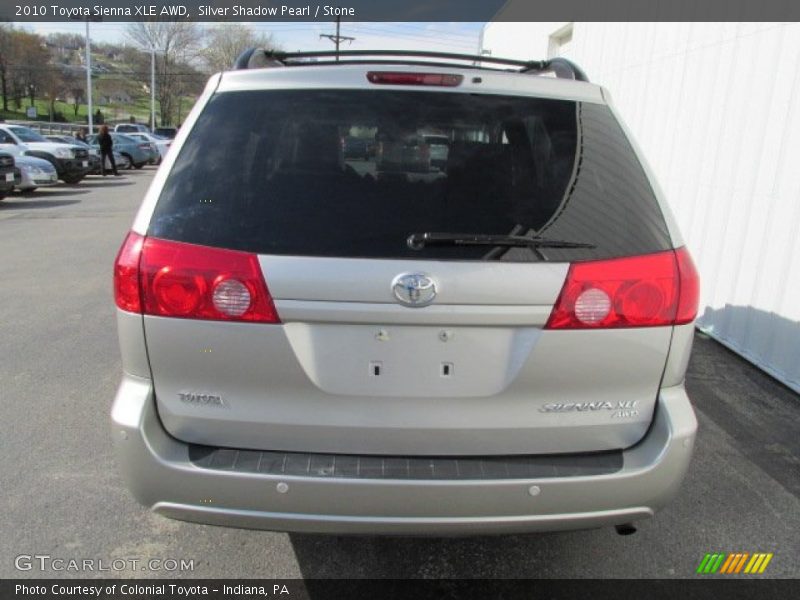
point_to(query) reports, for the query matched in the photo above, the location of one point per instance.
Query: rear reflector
(401, 78)
(173, 279)
(639, 291)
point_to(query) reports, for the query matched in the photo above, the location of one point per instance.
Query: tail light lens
(173, 279)
(126, 274)
(690, 287)
(640, 291)
(403, 78)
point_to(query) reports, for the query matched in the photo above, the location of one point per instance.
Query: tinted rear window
(272, 172)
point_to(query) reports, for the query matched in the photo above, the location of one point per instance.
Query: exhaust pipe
(625, 529)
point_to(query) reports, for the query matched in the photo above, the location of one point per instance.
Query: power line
(412, 39)
(418, 31)
(99, 74)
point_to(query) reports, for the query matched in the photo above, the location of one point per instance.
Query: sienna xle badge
(384, 295)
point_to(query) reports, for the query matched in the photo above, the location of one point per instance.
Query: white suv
(71, 162)
(497, 343)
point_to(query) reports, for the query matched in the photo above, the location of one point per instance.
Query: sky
(432, 36)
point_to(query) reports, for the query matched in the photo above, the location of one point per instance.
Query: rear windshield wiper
(417, 241)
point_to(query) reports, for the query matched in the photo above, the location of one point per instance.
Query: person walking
(106, 150)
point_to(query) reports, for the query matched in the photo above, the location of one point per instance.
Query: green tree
(30, 65)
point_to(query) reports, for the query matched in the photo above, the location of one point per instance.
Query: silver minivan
(310, 343)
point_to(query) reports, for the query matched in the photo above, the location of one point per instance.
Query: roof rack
(259, 58)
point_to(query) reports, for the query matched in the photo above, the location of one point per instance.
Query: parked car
(35, 173)
(166, 132)
(122, 161)
(499, 348)
(6, 174)
(70, 161)
(158, 145)
(131, 128)
(136, 152)
(61, 139)
(94, 153)
(408, 153)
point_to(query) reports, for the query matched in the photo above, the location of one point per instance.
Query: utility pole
(152, 89)
(337, 39)
(89, 80)
(88, 61)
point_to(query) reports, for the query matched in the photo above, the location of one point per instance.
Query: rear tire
(28, 191)
(130, 161)
(138, 165)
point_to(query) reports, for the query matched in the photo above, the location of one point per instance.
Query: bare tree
(175, 44)
(228, 40)
(52, 84)
(74, 86)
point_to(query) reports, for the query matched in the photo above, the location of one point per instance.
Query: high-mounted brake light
(639, 291)
(173, 279)
(405, 78)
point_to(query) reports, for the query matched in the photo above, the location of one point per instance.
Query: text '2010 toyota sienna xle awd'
(479, 323)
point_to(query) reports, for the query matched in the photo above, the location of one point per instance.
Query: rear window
(274, 172)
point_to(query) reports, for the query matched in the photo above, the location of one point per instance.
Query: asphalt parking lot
(61, 495)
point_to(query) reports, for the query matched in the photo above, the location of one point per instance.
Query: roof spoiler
(261, 58)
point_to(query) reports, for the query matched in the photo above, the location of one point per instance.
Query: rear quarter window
(273, 172)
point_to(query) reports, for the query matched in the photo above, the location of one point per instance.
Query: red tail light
(640, 291)
(690, 287)
(173, 279)
(402, 78)
(126, 274)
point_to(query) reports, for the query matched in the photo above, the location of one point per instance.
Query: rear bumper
(158, 470)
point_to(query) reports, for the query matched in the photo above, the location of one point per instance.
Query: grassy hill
(111, 81)
(139, 109)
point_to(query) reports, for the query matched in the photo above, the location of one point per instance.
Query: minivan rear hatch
(385, 345)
